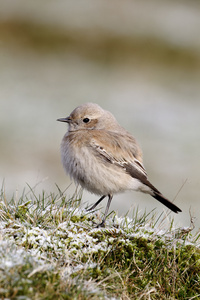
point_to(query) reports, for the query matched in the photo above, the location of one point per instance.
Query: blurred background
(138, 59)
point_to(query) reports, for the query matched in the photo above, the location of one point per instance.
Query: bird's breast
(90, 171)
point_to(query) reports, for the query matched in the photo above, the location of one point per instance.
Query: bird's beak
(67, 120)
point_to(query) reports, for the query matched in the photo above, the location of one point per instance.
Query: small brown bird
(103, 157)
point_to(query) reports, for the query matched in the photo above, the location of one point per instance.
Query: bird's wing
(120, 150)
(123, 151)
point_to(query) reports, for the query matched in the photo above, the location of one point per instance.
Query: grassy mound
(50, 249)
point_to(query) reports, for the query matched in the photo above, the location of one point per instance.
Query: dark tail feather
(158, 196)
(166, 202)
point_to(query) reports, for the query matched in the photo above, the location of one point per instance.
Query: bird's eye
(86, 120)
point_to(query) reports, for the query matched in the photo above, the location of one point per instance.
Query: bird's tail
(158, 196)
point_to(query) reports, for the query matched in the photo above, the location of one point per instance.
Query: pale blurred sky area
(138, 59)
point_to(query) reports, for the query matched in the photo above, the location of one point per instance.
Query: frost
(67, 237)
(12, 256)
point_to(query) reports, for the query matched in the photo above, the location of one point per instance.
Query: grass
(50, 249)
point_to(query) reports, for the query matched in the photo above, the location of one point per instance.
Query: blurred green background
(138, 59)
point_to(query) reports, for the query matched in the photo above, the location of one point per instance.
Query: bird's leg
(102, 224)
(93, 206)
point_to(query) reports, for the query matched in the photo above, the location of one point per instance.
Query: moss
(76, 219)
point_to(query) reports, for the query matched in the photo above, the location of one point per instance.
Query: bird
(103, 157)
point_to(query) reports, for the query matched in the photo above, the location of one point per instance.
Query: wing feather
(121, 151)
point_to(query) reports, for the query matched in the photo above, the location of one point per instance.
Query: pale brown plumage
(103, 157)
